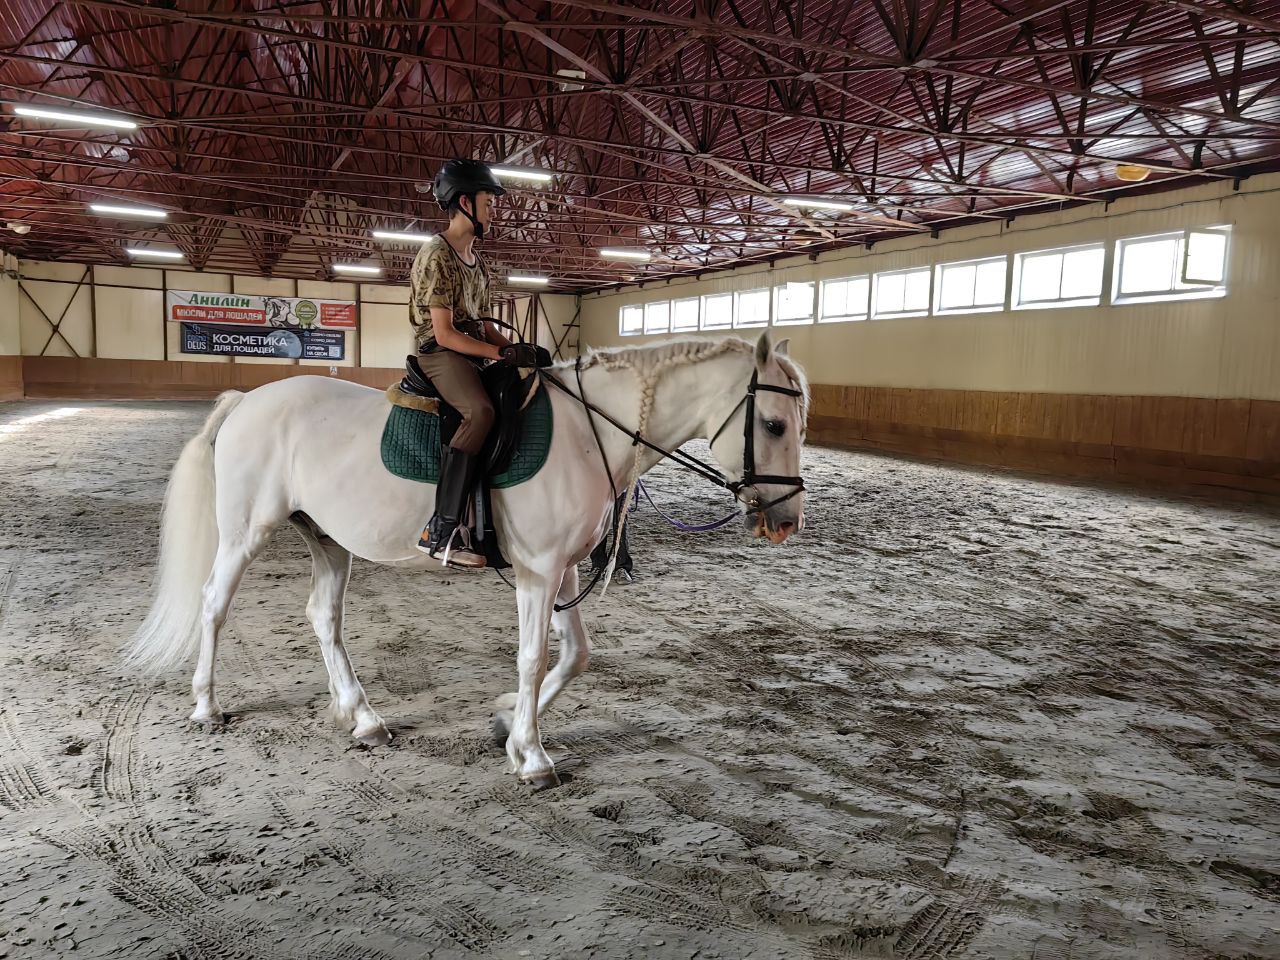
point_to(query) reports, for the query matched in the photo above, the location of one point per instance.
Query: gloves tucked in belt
(526, 355)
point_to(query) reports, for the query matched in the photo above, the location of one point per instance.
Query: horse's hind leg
(331, 570)
(233, 558)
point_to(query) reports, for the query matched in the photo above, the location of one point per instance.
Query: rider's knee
(482, 417)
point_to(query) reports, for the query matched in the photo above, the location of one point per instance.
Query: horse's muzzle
(775, 525)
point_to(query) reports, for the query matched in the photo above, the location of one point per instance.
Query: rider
(450, 296)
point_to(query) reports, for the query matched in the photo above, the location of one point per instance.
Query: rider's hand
(526, 355)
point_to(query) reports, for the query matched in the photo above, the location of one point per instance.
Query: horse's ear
(764, 347)
(780, 349)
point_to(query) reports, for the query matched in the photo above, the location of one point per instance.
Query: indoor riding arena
(915, 367)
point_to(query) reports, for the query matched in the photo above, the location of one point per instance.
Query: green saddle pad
(411, 444)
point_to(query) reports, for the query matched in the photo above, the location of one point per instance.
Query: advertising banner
(286, 312)
(245, 341)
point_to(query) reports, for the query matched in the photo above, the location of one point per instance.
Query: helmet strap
(476, 225)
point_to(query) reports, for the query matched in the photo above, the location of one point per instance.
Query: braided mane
(660, 356)
(650, 362)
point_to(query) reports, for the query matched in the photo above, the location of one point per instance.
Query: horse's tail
(188, 543)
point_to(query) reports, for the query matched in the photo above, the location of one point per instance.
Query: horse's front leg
(535, 595)
(575, 647)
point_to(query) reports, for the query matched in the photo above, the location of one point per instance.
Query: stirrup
(458, 553)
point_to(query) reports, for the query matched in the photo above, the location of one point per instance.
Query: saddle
(421, 423)
(508, 392)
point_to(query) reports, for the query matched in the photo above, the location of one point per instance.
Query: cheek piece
(749, 476)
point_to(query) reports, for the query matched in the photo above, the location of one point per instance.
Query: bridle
(749, 480)
(749, 476)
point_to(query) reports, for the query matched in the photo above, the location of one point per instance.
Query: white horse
(307, 450)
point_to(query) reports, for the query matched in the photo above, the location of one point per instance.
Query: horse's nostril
(786, 527)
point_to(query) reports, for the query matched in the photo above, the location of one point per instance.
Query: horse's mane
(655, 358)
(660, 355)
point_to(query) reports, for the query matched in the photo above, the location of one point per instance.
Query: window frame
(877, 314)
(622, 329)
(939, 269)
(697, 315)
(1189, 291)
(702, 311)
(775, 316)
(848, 317)
(666, 327)
(1059, 302)
(737, 300)
(1223, 230)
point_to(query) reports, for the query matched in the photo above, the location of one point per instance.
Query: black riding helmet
(465, 178)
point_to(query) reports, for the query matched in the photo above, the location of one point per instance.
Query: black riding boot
(443, 538)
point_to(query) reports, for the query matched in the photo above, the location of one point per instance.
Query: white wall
(1228, 347)
(386, 336)
(120, 314)
(10, 329)
(558, 310)
(52, 293)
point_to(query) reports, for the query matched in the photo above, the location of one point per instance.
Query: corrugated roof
(280, 135)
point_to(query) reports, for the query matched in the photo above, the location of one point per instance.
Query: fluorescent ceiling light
(355, 268)
(148, 252)
(77, 119)
(571, 75)
(112, 209)
(816, 204)
(402, 235)
(527, 278)
(521, 173)
(614, 253)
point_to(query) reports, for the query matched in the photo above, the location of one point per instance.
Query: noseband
(749, 476)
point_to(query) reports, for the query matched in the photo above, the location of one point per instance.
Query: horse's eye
(776, 427)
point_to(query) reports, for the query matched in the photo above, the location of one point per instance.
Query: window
(793, 303)
(970, 286)
(717, 311)
(630, 321)
(902, 293)
(1066, 277)
(751, 308)
(845, 299)
(684, 315)
(1185, 264)
(657, 316)
(1204, 256)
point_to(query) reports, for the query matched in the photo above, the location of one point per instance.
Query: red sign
(192, 306)
(202, 314)
(338, 315)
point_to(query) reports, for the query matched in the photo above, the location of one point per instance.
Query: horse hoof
(544, 780)
(209, 719)
(375, 736)
(501, 729)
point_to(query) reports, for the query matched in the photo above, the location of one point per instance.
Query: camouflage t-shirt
(439, 278)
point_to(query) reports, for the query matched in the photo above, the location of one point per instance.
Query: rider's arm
(448, 337)
(496, 336)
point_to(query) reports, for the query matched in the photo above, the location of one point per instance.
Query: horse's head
(759, 442)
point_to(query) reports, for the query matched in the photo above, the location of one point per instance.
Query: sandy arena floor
(964, 715)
